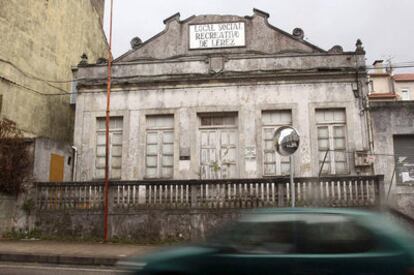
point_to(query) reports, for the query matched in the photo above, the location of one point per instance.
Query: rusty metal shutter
(404, 158)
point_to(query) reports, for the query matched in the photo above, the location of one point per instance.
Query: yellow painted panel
(56, 167)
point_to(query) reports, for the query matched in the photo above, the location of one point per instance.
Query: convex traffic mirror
(286, 140)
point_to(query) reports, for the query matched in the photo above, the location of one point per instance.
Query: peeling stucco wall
(185, 103)
(41, 40)
(42, 156)
(273, 71)
(391, 118)
(147, 226)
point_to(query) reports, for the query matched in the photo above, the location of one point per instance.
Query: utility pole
(108, 104)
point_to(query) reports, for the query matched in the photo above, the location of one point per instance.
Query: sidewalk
(71, 253)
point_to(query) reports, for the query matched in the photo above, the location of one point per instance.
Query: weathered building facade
(387, 85)
(41, 41)
(202, 99)
(391, 109)
(393, 125)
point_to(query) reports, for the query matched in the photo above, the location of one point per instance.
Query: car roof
(338, 211)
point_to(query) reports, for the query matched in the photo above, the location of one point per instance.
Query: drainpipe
(74, 163)
(370, 127)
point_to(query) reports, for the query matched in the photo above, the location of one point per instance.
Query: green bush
(22, 234)
(15, 160)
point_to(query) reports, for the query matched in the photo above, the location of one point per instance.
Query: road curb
(58, 259)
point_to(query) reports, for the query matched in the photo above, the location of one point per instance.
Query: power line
(170, 88)
(402, 64)
(30, 89)
(29, 75)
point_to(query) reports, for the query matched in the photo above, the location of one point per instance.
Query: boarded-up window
(159, 147)
(331, 130)
(273, 163)
(218, 145)
(404, 158)
(115, 148)
(56, 171)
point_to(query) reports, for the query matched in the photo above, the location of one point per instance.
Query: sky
(385, 27)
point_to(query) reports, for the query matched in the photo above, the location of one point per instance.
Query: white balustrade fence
(361, 191)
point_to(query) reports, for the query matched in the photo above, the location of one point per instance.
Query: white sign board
(219, 35)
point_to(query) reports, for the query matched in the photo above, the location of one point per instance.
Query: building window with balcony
(332, 144)
(273, 163)
(159, 156)
(115, 148)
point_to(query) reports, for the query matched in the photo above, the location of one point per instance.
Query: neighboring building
(41, 41)
(404, 86)
(380, 81)
(385, 85)
(393, 128)
(391, 110)
(202, 100)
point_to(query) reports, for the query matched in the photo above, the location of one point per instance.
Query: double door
(218, 154)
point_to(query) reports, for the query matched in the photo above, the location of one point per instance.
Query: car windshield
(294, 233)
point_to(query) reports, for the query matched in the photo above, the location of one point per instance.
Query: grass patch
(21, 234)
(36, 234)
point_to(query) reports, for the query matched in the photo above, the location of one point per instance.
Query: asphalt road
(44, 269)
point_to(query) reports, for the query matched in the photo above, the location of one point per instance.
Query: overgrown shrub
(20, 234)
(15, 160)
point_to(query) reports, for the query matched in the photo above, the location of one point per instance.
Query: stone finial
(174, 17)
(336, 49)
(135, 42)
(298, 33)
(260, 13)
(84, 59)
(359, 49)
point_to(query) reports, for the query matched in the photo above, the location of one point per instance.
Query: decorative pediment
(218, 34)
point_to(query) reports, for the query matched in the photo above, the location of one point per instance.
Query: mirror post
(292, 184)
(286, 142)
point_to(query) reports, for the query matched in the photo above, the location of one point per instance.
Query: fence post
(111, 192)
(37, 196)
(380, 190)
(193, 194)
(281, 193)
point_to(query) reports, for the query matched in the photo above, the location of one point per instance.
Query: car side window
(263, 238)
(272, 237)
(296, 233)
(344, 236)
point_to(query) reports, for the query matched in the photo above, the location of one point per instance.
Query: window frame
(406, 93)
(278, 158)
(159, 131)
(213, 115)
(331, 156)
(111, 132)
(219, 129)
